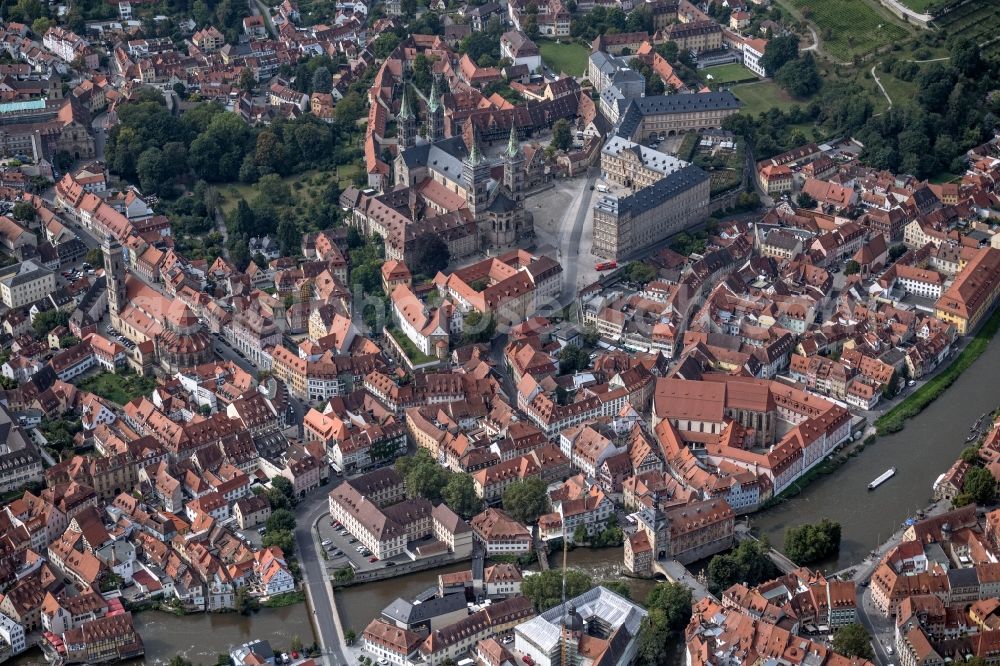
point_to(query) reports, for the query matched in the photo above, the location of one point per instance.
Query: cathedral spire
(404, 106)
(513, 145)
(475, 157)
(432, 101)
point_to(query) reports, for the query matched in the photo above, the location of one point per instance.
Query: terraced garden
(978, 20)
(850, 28)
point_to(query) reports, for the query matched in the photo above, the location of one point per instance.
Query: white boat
(882, 478)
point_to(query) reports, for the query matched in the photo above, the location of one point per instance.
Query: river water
(359, 604)
(203, 636)
(926, 447)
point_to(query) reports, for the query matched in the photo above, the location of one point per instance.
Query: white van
(602, 188)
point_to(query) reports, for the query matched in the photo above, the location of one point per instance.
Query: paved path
(678, 573)
(815, 37)
(569, 239)
(880, 87)
(319, 592)
(783, 563)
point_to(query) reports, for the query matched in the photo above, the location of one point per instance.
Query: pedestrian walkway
(678, 573)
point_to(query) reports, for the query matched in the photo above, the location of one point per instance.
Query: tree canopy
(747, 563)
(430, 255)
(806, 544)
(852, 640)
(669, 607)
(545, 589)
(526, 500)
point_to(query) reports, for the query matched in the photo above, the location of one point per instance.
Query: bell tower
(114, 275)
(476, 178)
(435, 114)
(406, 133)
(513, 168)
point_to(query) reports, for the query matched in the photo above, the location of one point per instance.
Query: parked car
(373, 559)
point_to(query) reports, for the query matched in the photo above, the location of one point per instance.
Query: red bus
(606, 265)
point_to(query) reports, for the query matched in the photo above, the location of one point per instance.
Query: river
(926, 447)
(202, 637)
(359, 604)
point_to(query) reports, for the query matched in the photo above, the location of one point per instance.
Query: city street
(319, 592)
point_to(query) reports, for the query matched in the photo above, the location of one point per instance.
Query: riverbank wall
(894, 420)
(432, 562)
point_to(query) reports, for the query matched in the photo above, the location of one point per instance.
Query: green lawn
(850, 27)
(233, 192)
(416, 356)
(118, 388)
(763, 95)
(568, 57)
(730, 73)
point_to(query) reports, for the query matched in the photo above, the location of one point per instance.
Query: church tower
(114, 275)
(406, 133)
(435, 114)
(513, 167)
(476, 178)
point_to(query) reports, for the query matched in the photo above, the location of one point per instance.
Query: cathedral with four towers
(491, 189)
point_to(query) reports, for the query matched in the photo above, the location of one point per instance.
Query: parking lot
(342, 548)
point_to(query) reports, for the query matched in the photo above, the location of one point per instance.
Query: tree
(459, 493)
(247, 80)
(852, 640)
(562, 138)
(545, 589)
(430, 254)
(245, 604)
(426, 481)
(852, 267)
(284, 486)
(668, 51)
(747, 563)
(350, 109)
(322, 80)
(805, 200)
(897, 251)
(979, 486)
(674, 599)
(572, 359)
(478, 328)
(640, 272)
(619, 587)
(891, 388)
(289, 237)
(970, 455)
(283, 539)
(799, 76)
(296, 643)
(350, 636)
(526, 500)
(152, 170)
(178, 660)
(48, 320)
(67, 341)
(580, 534)
(28, 11)
(281, 519)
(779, 51)
(23, 212)
(806, 544)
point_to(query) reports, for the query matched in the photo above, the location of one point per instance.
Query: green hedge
(893, 420)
